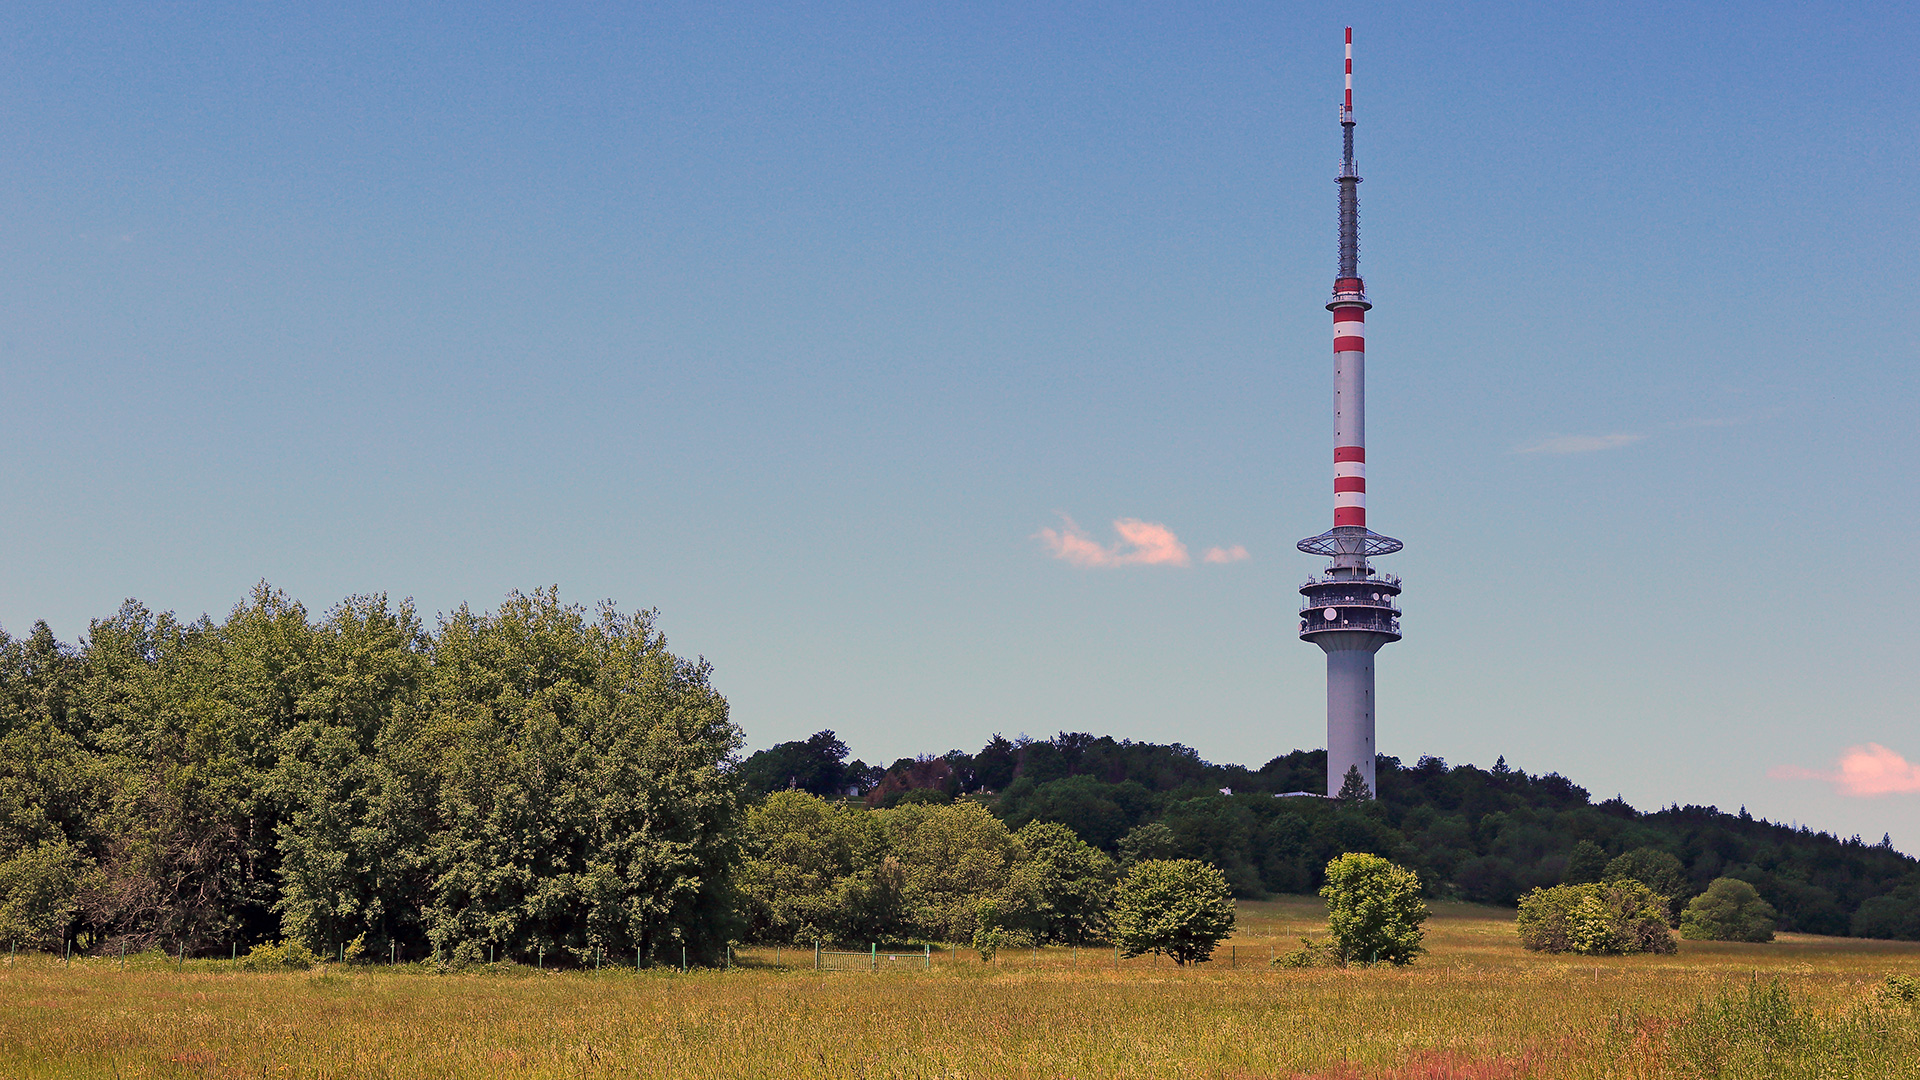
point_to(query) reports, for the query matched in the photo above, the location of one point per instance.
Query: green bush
(281, 956)
(1730, 910)
(1310, 954)
(1761, 1030)
(991, 934)
(1611, 918)
(1900, 990)
(1181, 907)
(1374, 910)
(37, 894)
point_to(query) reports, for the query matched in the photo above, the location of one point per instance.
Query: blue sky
(801, 323)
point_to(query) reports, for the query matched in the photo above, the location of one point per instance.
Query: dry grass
(1477, 1006)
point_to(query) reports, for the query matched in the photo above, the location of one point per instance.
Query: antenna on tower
(1346, 109)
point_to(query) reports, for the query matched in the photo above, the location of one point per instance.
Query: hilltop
(1482, 835)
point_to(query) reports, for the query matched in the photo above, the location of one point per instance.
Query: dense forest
(1485, 835)
(546, 782)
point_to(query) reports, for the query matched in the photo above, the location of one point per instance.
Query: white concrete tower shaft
(1350, 611)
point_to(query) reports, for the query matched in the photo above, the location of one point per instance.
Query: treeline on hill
(531, 781)
(542, 781)
(1474, 834)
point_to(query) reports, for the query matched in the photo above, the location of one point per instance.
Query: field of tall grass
(1476, 1006)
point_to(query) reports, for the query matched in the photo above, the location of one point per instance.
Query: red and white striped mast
(1350, 611)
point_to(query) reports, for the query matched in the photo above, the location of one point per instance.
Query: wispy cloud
(1236, 553)
(1581, 444)
(1863, 772)
(1142, 543)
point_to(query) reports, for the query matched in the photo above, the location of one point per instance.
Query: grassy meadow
(1476, 1006)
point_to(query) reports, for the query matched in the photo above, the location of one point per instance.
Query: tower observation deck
(1350, 610)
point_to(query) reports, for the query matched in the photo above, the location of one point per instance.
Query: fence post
(636, 958)
(182, 965)
(873, 963)
(683, 958)
(540, 958)
(596, 958)
(816, 954)
(67, 951)
(729, 957)
(928, 948)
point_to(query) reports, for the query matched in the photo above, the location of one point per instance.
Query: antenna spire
(1349, 275)
(1346, 109)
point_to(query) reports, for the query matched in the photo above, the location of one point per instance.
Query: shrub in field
(1761, 1030)
(991, 934)
(1900, 990)
(1310, 954)
(1181, 907)
(1374, 910)
(1730, 910)
(281, 956)
(1610, 918)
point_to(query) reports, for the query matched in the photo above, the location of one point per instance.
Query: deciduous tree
(1179, 907)
(1374, 910)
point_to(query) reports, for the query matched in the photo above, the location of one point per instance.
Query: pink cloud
(1153, 544)
(1142, 543)
(1236, 553)
(1863, 772)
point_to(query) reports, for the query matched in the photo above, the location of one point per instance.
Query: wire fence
(872, 960)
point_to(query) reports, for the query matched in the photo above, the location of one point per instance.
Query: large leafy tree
(584, 804)
(817, 871)
(951, 857)
(357, 808)
(1062, 889)
(1180, 907)
(1374, 910)
(816, 764)
(1657, 870)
